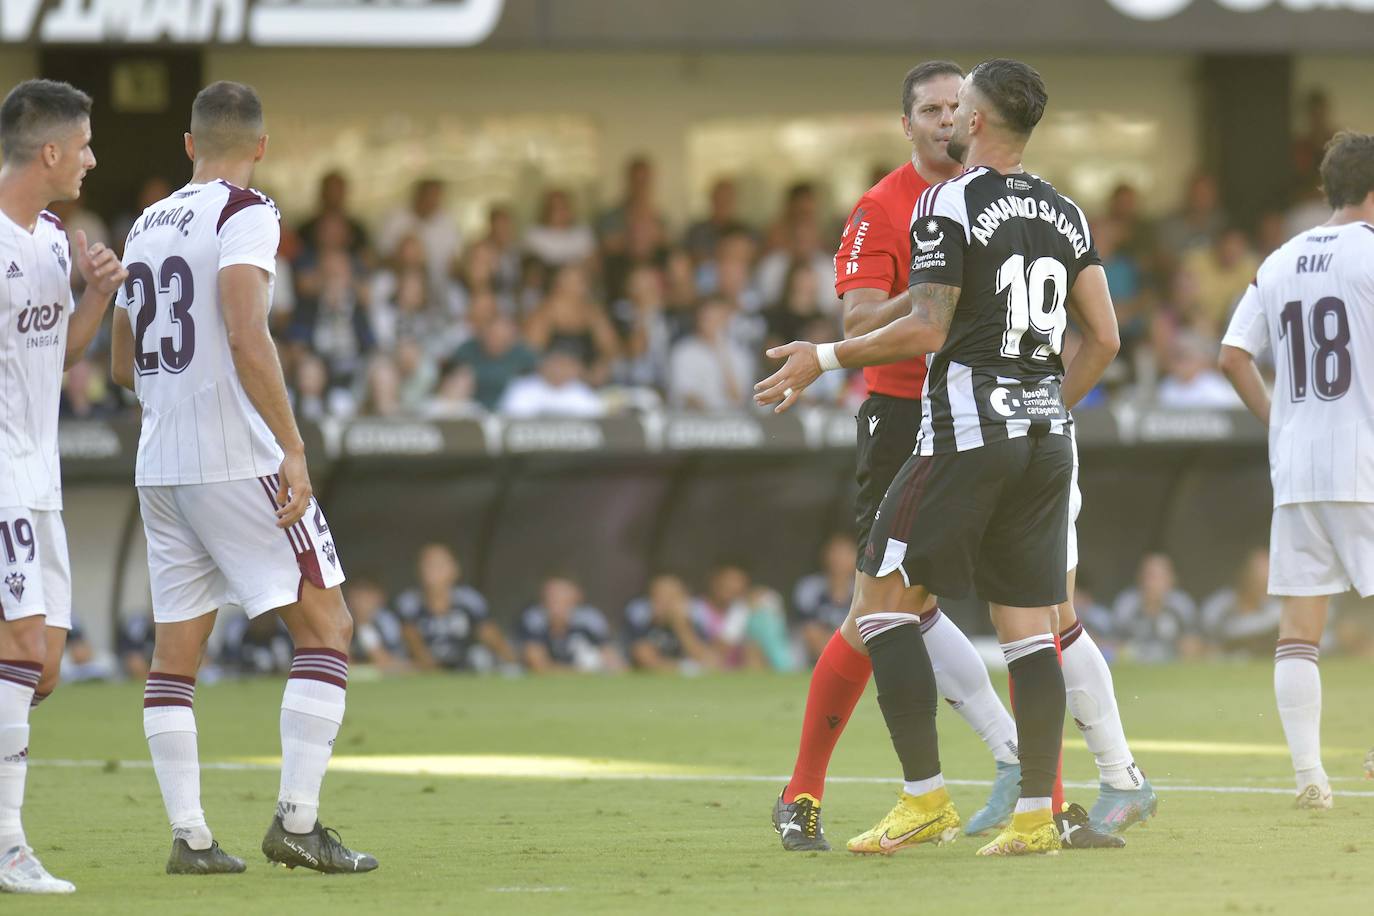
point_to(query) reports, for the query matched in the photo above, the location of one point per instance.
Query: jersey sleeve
(475, 604)
(939, 236)
(639, 619)
(1248, 330)
(408, 607)
(250, 236)
(867, 256)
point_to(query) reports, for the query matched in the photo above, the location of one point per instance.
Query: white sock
(922, 786)
(1091, 699)
(312, 709)
(169, 723)
(1298, 689)
(962, 679)
(17, 681)
(1024, 805)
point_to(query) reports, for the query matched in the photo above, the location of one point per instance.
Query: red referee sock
(839, 679)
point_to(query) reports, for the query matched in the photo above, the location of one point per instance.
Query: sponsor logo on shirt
(926, 239)
(13, 273)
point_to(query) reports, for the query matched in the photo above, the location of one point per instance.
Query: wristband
(825, 353)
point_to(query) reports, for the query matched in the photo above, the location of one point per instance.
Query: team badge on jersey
(15, 582)
(61, 253)
(926, 239)
(330, 554)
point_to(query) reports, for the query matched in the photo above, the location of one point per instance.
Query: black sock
(908, 697)
(1039, 684)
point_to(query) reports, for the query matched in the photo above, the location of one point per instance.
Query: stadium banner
(1054, 25)
(103, 448)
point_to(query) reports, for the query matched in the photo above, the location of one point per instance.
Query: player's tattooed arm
(922, 330)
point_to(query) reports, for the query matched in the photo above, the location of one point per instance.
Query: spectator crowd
(581, 313)
(443, 623)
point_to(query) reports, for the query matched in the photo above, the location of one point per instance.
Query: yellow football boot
(928, 818)
(1030, 834)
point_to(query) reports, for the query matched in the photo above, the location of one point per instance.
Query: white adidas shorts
(1322, 549)
(35, 574)
(218, 543)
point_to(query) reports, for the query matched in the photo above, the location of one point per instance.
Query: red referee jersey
(875, 253)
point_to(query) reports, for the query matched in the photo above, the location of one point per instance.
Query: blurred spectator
(708, 370)
(407, 303)
(800, 207)
(803, 248)
(383, 388)
(1194, 380)
(1137, 234)
(478, 277)
(562, 633)
(1154, 619)
(680, 284)
(646, 330)
(80, 661)
(314, 399)
(787, 319)
(821, 600)
(1196, 224)
(261, 645)
(1310, 143)
(723, 219)
(495, 358)
(86, 392)
(333, 205)
(668, 629)
(559, 237)
(1309, 210)
(615, 225)
(1219, 273)
(377, 636)
(418, 374)
(747, 625)
(1269, 235)
(335, 324)
(644, 247)
(152, 190)
(570, 319)
(504, 240)
(454, 397)
(1095, 616)
(444, 623)
(1244, 619)
(134, 646)
(427, 219)
(556, 391)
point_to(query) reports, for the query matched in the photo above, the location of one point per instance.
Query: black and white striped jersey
(1014, 246)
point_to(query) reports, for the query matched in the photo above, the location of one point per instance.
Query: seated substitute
(444, 623)
(666, 630)
(562, 633)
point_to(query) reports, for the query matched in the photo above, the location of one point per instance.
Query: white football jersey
(198, 424)
(1312, 306)
(35, 306)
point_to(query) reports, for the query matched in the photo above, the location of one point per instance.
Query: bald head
(226, 121)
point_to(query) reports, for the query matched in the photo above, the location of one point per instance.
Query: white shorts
(1322, 549)
(35, 574)
(218, 543)
(1075, 507)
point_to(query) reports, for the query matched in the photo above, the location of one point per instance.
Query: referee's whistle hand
(784, 387)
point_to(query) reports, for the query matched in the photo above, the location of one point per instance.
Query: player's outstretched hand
(99, 266)
(784, 386)
(294, 491)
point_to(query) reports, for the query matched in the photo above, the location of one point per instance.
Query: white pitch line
(708, 777)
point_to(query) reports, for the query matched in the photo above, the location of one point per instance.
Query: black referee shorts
(992, 519)
(887, 437)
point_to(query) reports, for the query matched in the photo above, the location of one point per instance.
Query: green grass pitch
(485, 844)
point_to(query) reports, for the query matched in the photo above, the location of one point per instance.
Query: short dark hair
(1348, 169)
(32, 110)
(924, 73)
(1015, 89)
(226, 116)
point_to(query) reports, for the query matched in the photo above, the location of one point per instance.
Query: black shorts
(887, 437)
(992, 519)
